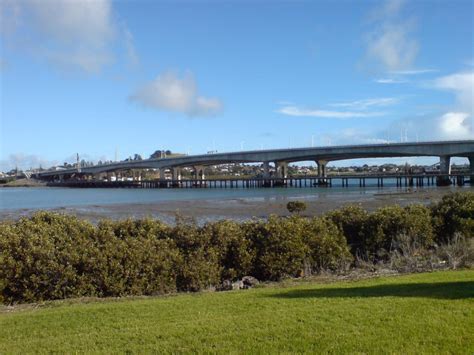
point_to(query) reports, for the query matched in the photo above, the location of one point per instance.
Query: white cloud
(368, 103)
(169, 92)
(462, 84)
(455, 125)
(80, 58)
(458, 124)
(412, 71)
(390, 44)
(399, 76)
(302, 112)
(392, 47)
(390, 81)
(88, 22)
(71, 33)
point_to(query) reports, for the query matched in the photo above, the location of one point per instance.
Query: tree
(156, 155)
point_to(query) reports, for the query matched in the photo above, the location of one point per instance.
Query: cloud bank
(170, 92)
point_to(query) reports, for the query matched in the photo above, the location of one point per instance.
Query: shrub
(453, 214)
(351, 220)
(296, 207)
(327, 246)
(234, 251)
(139, 228)
(137, 262)
(379, 232)
(47, 256)
(280, 249)
(200, 267)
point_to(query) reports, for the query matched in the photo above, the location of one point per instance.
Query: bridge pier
(281, 172)
(176, 173)
(199, 174)
(163, 183)
(322, 173)
(266, 174)
(176, 177)
(281, 169)
(444, 170)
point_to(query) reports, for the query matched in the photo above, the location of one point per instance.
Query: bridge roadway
(281, 157)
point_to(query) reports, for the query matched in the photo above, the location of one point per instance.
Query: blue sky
(96, 77)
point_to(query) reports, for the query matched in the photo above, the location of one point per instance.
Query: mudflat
(245, 208)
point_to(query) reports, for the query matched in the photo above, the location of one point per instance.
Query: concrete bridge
(445, 150)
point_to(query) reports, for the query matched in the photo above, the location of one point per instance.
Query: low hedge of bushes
(52, 256)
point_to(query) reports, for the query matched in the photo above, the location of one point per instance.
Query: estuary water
(52, 197)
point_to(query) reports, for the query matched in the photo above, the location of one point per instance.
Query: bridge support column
(322, 173)
(199, 172)
(266, 175)
(176, 174)
(444, 170)
(162, 174)
(266, 170)
(281, 168)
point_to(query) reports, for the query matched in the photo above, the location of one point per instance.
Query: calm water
(45, 198)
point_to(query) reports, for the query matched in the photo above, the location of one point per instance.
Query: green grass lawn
(420, 313)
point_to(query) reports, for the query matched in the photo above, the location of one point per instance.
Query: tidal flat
(204, 204)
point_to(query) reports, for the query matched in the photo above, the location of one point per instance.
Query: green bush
(296, 207)
(52, 256)
(327, 246)
(280, 248)
(453, 214)
(234, 250)
(381, 228)
(200, 268)
(351, 220)
(136, 263)
(47, 256)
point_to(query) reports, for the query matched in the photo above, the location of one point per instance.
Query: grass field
(420, 313)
